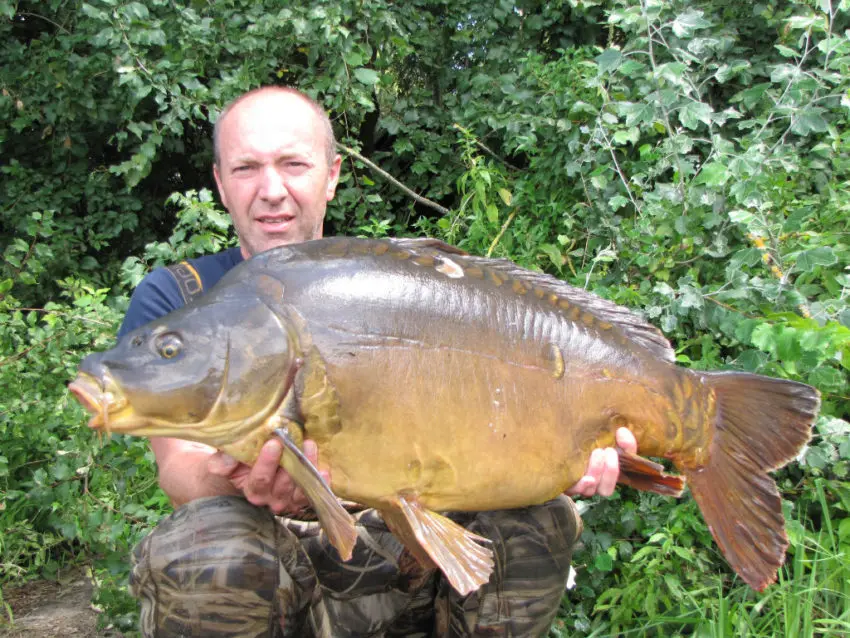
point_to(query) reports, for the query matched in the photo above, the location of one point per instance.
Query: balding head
(272, 91)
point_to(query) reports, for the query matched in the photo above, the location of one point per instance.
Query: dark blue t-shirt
(158, 294)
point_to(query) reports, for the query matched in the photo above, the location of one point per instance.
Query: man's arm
(188, 471)
(183, 470)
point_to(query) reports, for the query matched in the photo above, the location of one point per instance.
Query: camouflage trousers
(220, 567)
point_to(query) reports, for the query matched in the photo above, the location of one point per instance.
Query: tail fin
(761, 424)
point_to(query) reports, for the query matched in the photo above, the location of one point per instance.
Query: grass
(811, 598)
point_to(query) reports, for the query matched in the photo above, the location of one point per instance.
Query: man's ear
(333, 177)
(220, 188)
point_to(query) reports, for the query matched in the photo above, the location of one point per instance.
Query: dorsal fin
(631, 325)
(416, 244)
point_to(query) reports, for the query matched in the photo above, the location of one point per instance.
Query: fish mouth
(104, 399)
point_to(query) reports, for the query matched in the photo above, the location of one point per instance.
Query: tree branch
(492, 153)
(422, 200)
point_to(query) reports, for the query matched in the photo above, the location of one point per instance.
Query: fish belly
(468, 431)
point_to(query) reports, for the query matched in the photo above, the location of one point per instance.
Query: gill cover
(207, 371)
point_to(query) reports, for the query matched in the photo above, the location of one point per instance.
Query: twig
(136, 520)
(422, 200)
(727, 306)
(63, 314)
(492, 153)
(619, 170)
(664, 111)
(41, 17)
(25, 352)
(501, 232)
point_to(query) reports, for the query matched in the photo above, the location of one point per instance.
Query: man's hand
(603, 469)
(266, 483)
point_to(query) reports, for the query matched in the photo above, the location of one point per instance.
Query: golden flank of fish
(436, 381)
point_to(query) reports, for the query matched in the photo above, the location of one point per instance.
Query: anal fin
(643, 474)
(335, 520)
(438, 541)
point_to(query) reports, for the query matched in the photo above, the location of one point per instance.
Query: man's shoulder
(160, 291)
(213, 267)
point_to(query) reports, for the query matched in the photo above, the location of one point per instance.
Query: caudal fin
(761, 424)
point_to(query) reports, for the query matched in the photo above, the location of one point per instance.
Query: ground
(47, 609)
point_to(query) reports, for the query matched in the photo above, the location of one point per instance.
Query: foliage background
(686, 159)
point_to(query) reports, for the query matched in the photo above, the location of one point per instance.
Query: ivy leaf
(369, 77)
(713, 174)
(809, 121)
(685, 23)
(692, 113)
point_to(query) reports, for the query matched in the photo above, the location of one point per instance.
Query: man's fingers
(260, 481)
(281, 495)
(610, 472)
(626, 440)
(299, 499)
(586, 485)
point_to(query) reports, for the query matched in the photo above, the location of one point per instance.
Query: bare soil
(48, 609)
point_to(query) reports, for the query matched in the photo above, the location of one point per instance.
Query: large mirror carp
(434, 381)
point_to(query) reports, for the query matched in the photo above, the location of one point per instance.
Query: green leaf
(617, 202)
(692, 113)
(554, 255)
(624, 136)
(685, 23)
(713, 174)
(603, 562)
(762, 337)
(820, 256)
(369, 77)
(844, 529)
(608, 60)
(827, 379)
(809, 121)
(816, 457)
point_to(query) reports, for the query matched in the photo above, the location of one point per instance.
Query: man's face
(273, 174)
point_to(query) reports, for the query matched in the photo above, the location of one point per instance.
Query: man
(221, 567)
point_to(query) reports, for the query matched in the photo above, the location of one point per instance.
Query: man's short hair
(330, 139)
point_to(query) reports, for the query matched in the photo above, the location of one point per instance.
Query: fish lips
(101, 397)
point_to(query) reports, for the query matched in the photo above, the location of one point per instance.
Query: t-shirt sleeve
(155, 296)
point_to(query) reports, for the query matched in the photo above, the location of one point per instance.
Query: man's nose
(273, 187)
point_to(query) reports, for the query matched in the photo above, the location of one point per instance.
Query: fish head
(210, 372)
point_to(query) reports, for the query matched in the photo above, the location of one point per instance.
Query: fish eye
(169, 346)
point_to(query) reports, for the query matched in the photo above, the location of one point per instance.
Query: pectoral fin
(435, 540)
(337, 523)
(643, 474)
